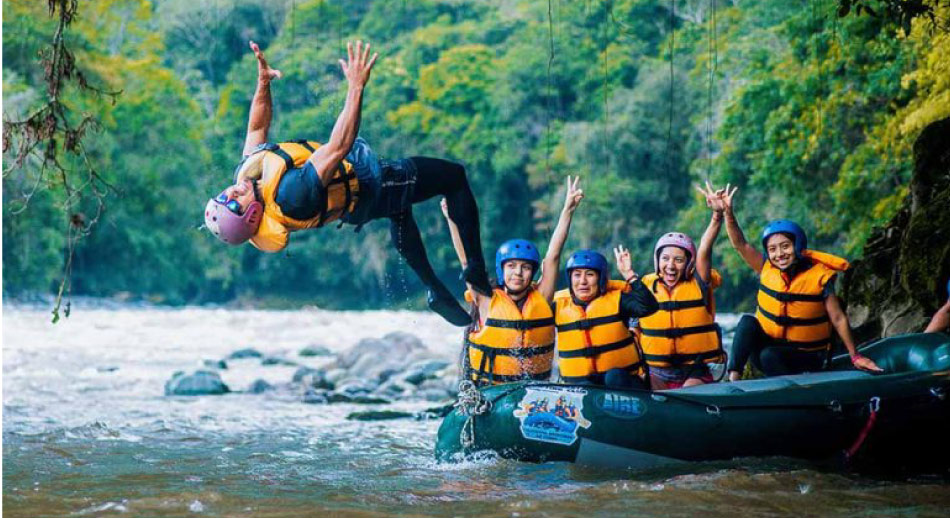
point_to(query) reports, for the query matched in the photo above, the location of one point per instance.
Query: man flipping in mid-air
(281, 188)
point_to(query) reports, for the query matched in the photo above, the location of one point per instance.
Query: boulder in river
(277, 360)
(243, 354)
(259, 387)
(314, 378)
(900, 281)
(315, 350)
(199, 383)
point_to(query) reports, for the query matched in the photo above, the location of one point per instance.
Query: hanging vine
(46, 133)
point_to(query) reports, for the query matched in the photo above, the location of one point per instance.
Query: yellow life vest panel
(594, 339)
(683, 331)
(793, 310)
(513, 344)
(342, 192)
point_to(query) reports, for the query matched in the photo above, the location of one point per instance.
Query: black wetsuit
(389, 189)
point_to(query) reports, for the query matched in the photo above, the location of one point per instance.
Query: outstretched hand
(624, 262)
(264, 71)
(713, 198)
(574, 195)
(359, 64)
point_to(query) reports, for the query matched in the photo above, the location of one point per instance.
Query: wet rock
(436, 412)
(215, 364)
(355, 387)
(315, 396)
(315, 378)
(315, 350)
(337, 397)
(395, 389)
(200, 383)
(259, 387)
(109, 368)
(377, 358)
(243, 354)
(378, 415)
(335, 376)
(423, 371)
(900, 280)
(276, 360)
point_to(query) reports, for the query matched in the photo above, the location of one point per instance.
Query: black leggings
(768, 354)
(434, 177)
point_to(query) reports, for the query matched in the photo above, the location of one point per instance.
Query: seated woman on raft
(291, 186)
(682, 338)
(512, 337)
(594, 344)
(797, 307)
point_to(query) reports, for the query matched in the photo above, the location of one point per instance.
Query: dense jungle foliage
(812, 115)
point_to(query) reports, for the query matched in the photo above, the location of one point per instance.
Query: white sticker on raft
(551, 414)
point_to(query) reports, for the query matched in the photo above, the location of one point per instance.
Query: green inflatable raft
(902, 416)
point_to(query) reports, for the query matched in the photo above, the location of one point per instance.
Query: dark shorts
(388, 194)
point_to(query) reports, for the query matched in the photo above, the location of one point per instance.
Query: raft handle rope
(713, 410)
(874, 405)
(939, 393)
(471, 402)
(835, 406)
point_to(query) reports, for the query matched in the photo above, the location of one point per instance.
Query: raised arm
(552, 259)
(258, 122)
(356, 69)
(704, 254)
(748, 252)
(456, 237)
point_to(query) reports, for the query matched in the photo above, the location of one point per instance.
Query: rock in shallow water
(315, 350)
(259, 387)
(379, 415)
(243, 354)
(200, 383)
(277, 360)
(314, 378)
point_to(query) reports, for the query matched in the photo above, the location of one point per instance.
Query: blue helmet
(785, 226)
(516, 249)
(591, 260)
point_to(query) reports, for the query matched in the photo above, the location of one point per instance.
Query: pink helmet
(678, 240)
(229, 227)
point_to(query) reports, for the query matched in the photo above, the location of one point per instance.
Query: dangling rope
(471, 402)
(547, 104)
(669, 130)
(606, 107)
(712, 66)
(816, 41)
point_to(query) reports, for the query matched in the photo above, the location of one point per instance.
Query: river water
(87, 431)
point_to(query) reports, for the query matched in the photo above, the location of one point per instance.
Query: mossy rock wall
(902, 277)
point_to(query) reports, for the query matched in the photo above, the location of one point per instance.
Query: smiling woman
(797, 306)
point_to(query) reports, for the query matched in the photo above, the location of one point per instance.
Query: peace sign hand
(264, 72)
(574, 195)
(624, 262)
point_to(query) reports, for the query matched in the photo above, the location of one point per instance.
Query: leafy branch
(47, 131)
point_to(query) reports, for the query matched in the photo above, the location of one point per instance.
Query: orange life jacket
(342, 193)
(683, 331)
(594, 339)
(793, 310)
(513, 344)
